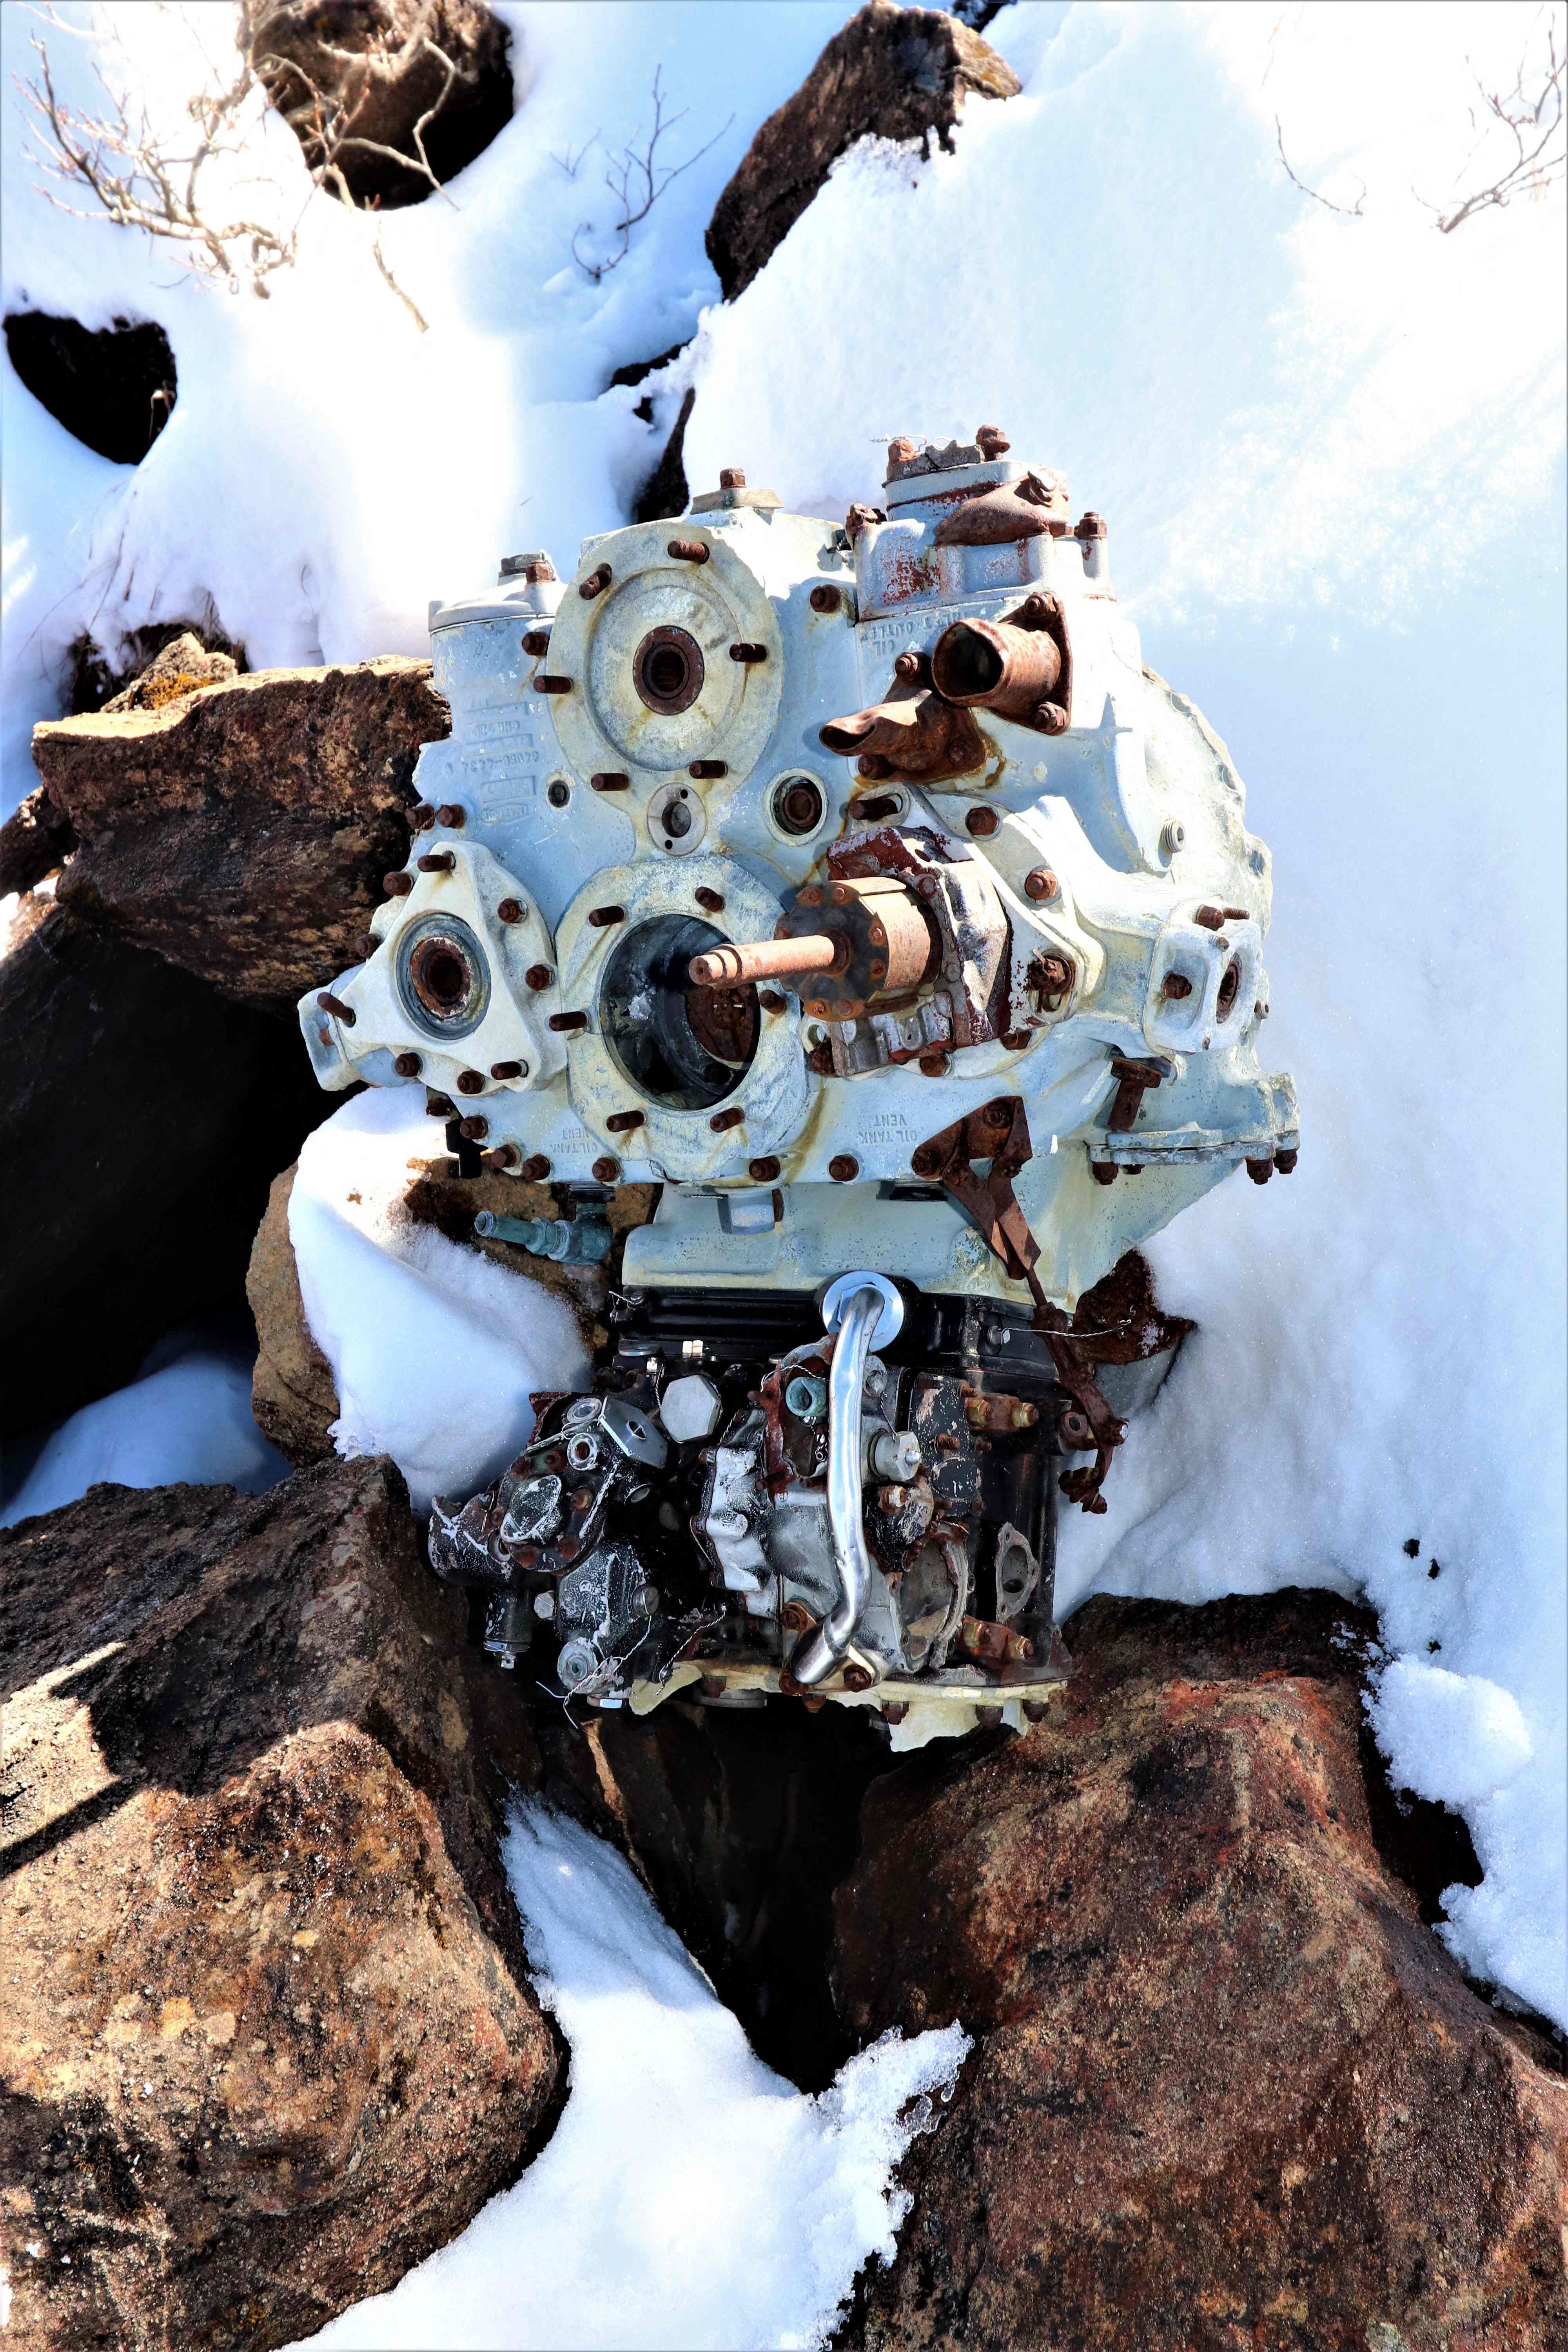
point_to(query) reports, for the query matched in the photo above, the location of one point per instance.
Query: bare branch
(1531, 113)
(1351, 212)
(637, 180)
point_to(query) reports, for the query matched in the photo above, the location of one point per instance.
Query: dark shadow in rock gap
(113, 388)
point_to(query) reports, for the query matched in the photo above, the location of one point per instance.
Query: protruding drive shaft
(769, 959)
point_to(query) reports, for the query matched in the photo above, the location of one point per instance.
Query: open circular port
(1230, 984)
(795, 805)
(668, 670)
(443, 977)
(966, 664)
(682, 1047)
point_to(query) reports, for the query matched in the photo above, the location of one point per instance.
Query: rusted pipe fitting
(991, 666)
(768, 959)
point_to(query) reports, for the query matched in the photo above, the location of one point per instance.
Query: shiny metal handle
(860, 1312)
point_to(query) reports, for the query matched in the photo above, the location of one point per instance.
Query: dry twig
(637, 180)
(1351, 212)
(1533, 120)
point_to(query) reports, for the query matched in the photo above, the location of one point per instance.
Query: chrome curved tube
(822, 1651)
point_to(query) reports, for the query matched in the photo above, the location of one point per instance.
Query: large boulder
(362, 83)
(1229, 2089)
(144, 1115)
(267, 2037)
(293, 1393)
(889, 73)
(241, 829)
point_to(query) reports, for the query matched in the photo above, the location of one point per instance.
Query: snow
(187, 1422)
(1330, 449)
(433, 1348)
(688, 2196)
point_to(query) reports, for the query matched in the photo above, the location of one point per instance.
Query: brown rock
(142, 1114)
(890, 73)
(293, 1396)
(1228, 2090)
(95, 679)
(267, 2038)
(241, 831)
(184, 665)
(34, 840)
(376, 68)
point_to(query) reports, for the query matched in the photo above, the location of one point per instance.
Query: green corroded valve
(584, 1240)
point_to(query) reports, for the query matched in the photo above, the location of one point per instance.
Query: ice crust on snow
(690, 2196)
(435, 1349)
(1336, 514)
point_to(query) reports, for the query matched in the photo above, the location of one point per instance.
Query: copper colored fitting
(992, 666)
(728, 967)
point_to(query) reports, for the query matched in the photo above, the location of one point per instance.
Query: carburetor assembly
(743, 838)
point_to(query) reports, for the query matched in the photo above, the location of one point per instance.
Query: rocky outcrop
(372, 71)
(143, 1114)
(293, 1395)
(99, 681)
(890, 73)
(1228, 2091)
(267, 2037)
(184, 665)
(34, 840)
(241, 830)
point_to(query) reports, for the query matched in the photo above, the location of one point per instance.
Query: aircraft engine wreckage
(859, 887)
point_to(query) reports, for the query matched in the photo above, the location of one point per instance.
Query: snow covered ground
(688, 2195)
(1329, 444)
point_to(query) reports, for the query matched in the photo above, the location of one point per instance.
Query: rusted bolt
(820, 1060)
(895, 1709)
(397, 886)
(408, 1065)
(365, 946)
(732, 478)
(535, 1168)
(772, 1000)
(982, 822)
(502, 1159)
(992, 442)
(763, 1171)
(796, 1617)
(509, 1070)
(911, 665)
(569, 1547)
(623, 1122)
(688, 550)
(743, 652)
(470, 1082)
(873, 767)
(844, 1168)
(722, 1119)
(934, 1065)
(988, 1718)
(606, 1170)
(825, 598)
(452, 816)
(436, 861)
(422, 816)
(610, 780)
(1172, 837)
(704, 769)
(535, 643)
(840, 894)
(543, 685)
(1051, 717)
(858, 1678)
(510, 910)
(891, 1499)
(603, 916)
(1016, 1039)
(1090, 526)
(1035, 1710)
(1176, 986)
(1260, 1170)
(1285, 1162)
(337, 1008)
(879, 804)
(713, 899)
(1019, 1650)
(539, 976)
(1040, 883)
(475, 1128)
(1210, 917)
(438, 1105)
(1235, 915)
(923, 1161)
(568, 1021)
(596, 583)
(1104, 1172)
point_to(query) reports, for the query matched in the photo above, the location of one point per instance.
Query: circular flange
(839, 1292)
(443, 977)
(676, 820)
(771, 1087)
(621, 648)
